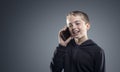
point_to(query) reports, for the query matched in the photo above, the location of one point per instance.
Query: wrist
(63, 44)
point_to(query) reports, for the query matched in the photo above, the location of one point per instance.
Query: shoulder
(98, 51)
(96, 47)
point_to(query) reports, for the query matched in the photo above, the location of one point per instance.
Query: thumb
(68, 40)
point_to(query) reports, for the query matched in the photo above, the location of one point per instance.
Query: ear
(88, 26)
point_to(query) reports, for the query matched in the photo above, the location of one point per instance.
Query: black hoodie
(87, 57)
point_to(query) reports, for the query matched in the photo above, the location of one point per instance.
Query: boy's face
(77, 26)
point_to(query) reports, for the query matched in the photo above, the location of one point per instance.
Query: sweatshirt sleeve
(57, 63)
(100, 61)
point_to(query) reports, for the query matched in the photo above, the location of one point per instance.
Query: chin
(76, 37)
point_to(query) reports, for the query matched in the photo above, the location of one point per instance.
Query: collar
(88, 42)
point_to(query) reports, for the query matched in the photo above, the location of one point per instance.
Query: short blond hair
(80, 13)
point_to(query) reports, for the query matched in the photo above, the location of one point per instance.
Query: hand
(61, 41)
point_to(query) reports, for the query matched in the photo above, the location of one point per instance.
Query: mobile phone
(65, 34)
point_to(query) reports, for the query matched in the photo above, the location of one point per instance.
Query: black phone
(65, 34)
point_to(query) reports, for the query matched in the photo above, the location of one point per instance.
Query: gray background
(29, 31)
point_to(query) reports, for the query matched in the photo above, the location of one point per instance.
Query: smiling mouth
(75, 32)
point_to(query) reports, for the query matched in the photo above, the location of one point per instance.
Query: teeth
(75, 32)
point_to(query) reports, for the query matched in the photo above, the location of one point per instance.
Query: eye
(70, 25)
(77, 23)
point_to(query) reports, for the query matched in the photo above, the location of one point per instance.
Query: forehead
(72, 18)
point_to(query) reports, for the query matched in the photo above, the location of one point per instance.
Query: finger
(68, 40)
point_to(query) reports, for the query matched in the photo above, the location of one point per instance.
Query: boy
(77, 53)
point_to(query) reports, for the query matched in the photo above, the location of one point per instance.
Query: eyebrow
(77, 21)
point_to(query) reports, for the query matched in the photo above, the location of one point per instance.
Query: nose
(74, 26)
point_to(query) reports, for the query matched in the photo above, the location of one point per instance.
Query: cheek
(70, 31)
(80, 28)
(83, 29)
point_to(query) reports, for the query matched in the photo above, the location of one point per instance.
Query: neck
(79, 41)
